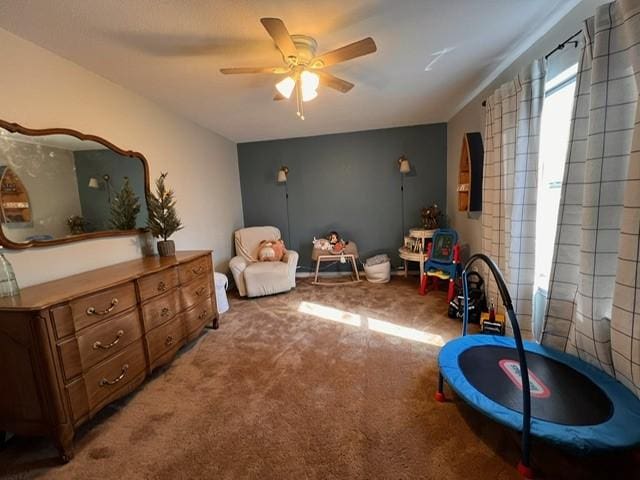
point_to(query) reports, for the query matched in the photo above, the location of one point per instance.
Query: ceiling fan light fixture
(286, 86)
(309, 85)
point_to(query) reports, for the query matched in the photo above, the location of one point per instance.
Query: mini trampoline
(554, 396)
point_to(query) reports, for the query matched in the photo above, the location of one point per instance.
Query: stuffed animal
(337, 244)
(321, 244)
(271, 251)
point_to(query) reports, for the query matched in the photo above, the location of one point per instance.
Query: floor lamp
(282, 178)
(405, 167)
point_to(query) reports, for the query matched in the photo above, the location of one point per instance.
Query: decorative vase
(166, 248)
(8, 283)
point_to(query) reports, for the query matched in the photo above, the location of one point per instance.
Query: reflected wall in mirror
(60, 185)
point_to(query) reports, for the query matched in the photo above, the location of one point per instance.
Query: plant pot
(166, 248)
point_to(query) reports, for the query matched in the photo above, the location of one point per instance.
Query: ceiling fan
(303, 68)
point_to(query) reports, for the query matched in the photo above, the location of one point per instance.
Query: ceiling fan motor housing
(306, 47)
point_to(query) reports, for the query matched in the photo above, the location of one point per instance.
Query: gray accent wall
(95, 202)
(347, 182)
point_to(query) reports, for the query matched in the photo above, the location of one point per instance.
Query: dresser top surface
(45, 295)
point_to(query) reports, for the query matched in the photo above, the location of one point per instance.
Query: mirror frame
(17, 128)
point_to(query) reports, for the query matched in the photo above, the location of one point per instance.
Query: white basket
(380, 273)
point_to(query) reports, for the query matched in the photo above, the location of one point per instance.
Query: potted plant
(163, 220)
(125, 208)
(76, 224)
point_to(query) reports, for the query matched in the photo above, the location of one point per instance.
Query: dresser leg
(216, 323)
(64, 444)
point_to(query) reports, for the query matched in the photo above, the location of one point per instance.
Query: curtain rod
(557, 49)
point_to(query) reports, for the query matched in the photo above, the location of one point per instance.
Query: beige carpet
(343, 391)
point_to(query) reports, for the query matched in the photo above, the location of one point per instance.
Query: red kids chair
(443, 261)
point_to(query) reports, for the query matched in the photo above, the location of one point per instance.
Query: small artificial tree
(125, 207)
(163, 219)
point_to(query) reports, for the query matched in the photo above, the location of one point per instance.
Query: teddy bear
(271, 250)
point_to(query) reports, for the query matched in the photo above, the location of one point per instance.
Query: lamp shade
(405, 166)
(282, 174)
(285, 87)
(93, 183)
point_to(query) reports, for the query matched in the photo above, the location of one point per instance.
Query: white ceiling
(170, 51)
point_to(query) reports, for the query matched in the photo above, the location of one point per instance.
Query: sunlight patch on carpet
(373, 324)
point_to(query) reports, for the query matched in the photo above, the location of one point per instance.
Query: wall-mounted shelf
(470, 173)
(14, 199)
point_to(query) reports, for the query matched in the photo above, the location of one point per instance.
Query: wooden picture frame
(17, 128)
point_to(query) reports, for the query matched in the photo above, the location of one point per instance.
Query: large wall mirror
(60, 185)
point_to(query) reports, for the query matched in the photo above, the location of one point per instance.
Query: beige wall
(39, 89)
(471, 117)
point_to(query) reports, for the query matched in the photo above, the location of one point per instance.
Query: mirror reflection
(58, 186)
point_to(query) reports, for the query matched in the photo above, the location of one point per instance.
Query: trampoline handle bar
(517, 336)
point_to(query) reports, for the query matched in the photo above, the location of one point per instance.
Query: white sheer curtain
(512, 131)
(594, 299)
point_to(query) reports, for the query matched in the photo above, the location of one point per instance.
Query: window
(554, 140)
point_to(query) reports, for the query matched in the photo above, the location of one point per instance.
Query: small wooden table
(355, 275)
(409, 256)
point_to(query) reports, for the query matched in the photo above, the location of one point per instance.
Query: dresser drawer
(195, 292)
(105, 304)
(106, 378)
(98, 342)
(160, 310)
(157, 283)
(197, 317)
(167, 337)
(195, 268)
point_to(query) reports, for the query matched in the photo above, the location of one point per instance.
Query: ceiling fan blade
(278, 96)
(353, 50)
(275, 27)
(334, 82)
(241, 70)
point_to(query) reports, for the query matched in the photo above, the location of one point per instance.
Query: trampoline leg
(524, 466)
(526, 472)
(440, 393)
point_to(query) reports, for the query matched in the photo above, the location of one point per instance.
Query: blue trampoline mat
(599, 415)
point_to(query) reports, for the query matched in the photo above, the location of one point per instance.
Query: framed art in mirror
(59, 185)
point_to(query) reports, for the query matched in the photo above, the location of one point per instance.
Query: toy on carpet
(477, 299)
(443, 261)
(492, 323)
(271, 250)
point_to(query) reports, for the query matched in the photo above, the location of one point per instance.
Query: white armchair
(254, 278)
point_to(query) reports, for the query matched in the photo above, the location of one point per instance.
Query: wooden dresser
(71, 346)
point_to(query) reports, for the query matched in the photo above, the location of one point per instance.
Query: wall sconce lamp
(96, 183)
(282, 174)
(404, 165)
(282, 178)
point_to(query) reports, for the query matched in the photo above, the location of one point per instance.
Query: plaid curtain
(512, 132)
(594, 300)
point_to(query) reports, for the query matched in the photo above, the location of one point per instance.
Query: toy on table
(443, 261)
(477, 298)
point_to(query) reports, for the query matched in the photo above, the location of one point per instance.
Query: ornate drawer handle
(169, 341)
(200, 291)
(164, 312)
(202, 315)
(162, 286)
(93, 311)
(198, 270)
(104, 382)
(98, 344)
